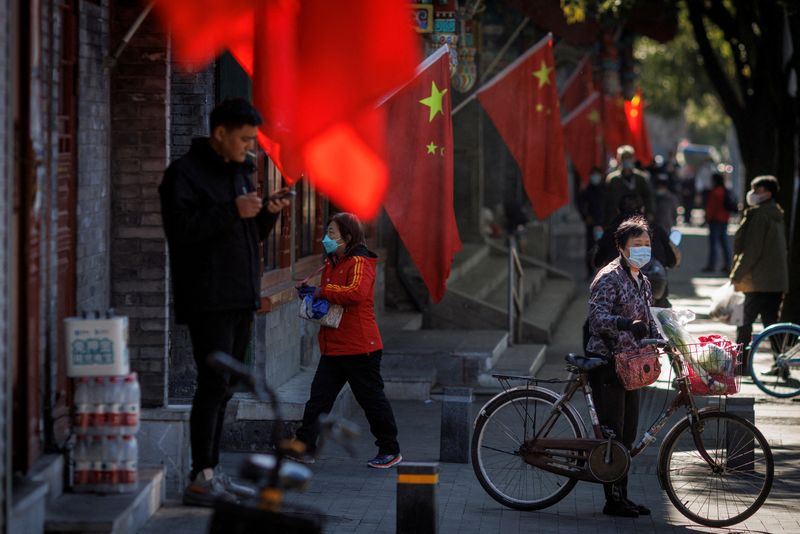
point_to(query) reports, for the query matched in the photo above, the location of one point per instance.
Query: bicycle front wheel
(737, 484)
(500, 430)
(775, 360)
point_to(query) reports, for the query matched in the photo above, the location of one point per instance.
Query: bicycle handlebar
(653, 341)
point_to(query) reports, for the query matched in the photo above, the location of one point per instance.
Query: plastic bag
(727, 305)
(672, 323)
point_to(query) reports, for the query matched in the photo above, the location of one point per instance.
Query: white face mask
(754, 199)
(639, 256)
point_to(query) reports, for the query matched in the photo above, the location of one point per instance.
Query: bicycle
(530, 447)
(275, 473)
(774, 362)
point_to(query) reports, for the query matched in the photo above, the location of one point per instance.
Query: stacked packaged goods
(106, 422)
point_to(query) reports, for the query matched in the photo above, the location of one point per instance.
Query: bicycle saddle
(584, 363)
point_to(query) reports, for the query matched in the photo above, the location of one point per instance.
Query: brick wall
(139, 155)
(191, 102)
(93, 195)
(5, 356)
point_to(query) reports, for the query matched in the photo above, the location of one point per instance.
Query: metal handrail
(515, 292)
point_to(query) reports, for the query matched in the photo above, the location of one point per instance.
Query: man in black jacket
(214, 221)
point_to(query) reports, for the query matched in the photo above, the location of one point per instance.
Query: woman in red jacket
(352, 352)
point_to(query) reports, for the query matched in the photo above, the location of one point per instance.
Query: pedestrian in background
(627, 180)
(760, 267)
(591, 204)
(214, 222)
(351, 353)
(719, 206)
(619, 316)
(666, 204)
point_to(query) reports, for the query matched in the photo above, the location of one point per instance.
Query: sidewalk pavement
(357, 499)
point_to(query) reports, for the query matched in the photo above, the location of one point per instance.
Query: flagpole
(494, 63)
(509, 67)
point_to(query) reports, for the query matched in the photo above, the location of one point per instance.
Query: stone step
(487, 278)
(251, 424)
(471, 254)
(523, 360)
(408, 384)
(547, 308)
(533, 279)
(393, 320)
(113, 514)
(458, 356)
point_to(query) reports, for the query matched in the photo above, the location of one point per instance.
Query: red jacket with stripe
(350, 282)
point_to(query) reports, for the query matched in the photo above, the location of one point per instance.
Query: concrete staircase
(477, 294)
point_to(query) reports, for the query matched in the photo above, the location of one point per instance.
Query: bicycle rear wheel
(500, 430)
(737, 485)
(775, 360)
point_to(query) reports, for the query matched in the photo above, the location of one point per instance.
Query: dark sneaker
(300, 458)
(619, 509)
(708, 269)
(234, 488)
(777, 371)
(385, 461)
(206, 490)
(642, 510)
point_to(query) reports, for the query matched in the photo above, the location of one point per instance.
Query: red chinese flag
(318, 70)
(522, 102)
(202, 29)
(634, 112)
(583, 136)
(420, 157)
(615, 124)
(578, 87)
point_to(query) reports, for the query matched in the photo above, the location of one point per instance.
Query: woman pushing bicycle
(619, 316)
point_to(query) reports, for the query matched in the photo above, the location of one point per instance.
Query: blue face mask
(329, 244)
(639, 256)
(627, 164)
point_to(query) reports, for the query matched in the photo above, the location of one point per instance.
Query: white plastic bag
(727, 305)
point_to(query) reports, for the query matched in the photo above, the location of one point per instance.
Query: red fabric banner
(634, 112)
(420, 156)
(615, 124)
(583, 136)
(578, 87)
(318, 70)
(522, 102)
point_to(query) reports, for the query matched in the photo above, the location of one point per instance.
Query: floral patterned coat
(613, 294)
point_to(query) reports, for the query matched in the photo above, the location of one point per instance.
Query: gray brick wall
(94, 198)
(139, 136)
(5, 138)
(191, 102)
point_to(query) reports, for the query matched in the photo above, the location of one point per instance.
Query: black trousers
(765, 304)
(618, 409)
(229, 332)
(363, 373)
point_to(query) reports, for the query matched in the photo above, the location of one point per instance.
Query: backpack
(729, 202)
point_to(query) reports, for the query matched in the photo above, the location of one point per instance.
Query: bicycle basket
(637, 368)
(711, 364)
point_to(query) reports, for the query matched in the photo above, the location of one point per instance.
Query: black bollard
(456, 425)
(739, 443)
(416, 498)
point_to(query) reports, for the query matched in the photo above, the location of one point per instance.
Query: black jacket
(213, 253)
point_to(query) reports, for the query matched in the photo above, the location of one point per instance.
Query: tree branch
(716, 74)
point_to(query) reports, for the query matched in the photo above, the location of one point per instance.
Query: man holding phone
(214, 222)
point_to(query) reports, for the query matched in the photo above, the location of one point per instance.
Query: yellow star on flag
(432, 148)
(543, 74)
(594, 117)
(434, 102)
(539, 107)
